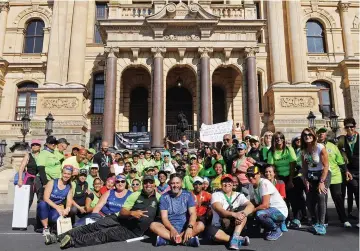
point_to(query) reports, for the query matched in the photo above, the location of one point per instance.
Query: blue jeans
(44, 211)
(270, 218)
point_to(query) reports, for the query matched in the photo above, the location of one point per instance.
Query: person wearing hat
(271, 209)
(173, 152)
(79, 189)
(137, 213)
(229, 152)
(150, 170)
(136, 163)
(29, 169)
(62, 145)
(126, 156)
(76, 161)
(88, 160)
(93, 173)
(133, 174)
(163, 187)
(202, 200)
(336, 163)
(75, 149)
(241, 164)
(230, 210)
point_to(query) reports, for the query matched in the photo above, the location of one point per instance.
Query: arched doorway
(178, 99)
(138, 121)
(219, 104)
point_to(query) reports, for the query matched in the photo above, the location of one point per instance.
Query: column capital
(4, 6)
(343, 7)
(110, 51)
(158, 51)
(205, 51)
(251, 51)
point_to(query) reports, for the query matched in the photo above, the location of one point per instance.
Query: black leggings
(353, 189)
(336, 194)
(105, 230)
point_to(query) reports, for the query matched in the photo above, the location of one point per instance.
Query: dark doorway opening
(178, 99)
(138, 110)
(219, 105)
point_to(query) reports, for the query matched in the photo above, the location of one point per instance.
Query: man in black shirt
(104, 161)
(229, 152)
(135, 217)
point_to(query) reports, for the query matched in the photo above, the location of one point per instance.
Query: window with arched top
(98, 93)
(34, 36)
(315, 36)
(26, 100)
(325, 98)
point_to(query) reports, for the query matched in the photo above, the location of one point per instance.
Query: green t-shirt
(95, 201)
(59, 155)
(221, 160)
(264, 153)
(51, 163)
(207, 172)
(335, 159)
(90, 181)
(72, 162)
(281, 159)
(188, 183)
(158, 163)
(132, 198)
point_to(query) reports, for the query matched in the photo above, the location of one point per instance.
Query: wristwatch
(190, 226)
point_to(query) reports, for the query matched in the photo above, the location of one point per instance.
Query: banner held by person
(215, 132)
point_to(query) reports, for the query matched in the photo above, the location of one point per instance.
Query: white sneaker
(347, 224)
(46, 231)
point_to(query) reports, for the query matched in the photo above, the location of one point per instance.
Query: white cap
(198, 179)
(94, 165)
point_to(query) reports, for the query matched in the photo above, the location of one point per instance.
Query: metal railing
(174, 135)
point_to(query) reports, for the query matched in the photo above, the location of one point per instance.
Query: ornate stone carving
(356, 22)
(251, 51)
(181, 54)
(60, 103)
(296, 102)
(319, 13)
(180, 38)
(205, 51)
(45, 14)
(344, 7)
(135, 52)
(4, 6)
(158, 51)
(227, 54)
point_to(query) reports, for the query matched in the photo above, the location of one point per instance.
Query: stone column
(253, 97)
(205, 86)
(158, 110)
(277, 42)
(4, 8)
(346, 29)
(298, 57)
(78, 44)
(55, 60)
(110, 98)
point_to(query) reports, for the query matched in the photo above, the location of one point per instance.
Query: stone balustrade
(136, 11)
(228, 11)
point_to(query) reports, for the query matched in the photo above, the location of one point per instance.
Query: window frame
(323, 37)
(260, 91)
(26, 36)
(96, 31)
(28, 91)
(93, 94)
(324, 88)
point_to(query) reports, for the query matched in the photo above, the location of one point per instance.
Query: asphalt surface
(337, 238)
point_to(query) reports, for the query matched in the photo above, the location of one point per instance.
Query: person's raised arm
(265, 203)
(24, 162)
(172, 142)
(101, 203)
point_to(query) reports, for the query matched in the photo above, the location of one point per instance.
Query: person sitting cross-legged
(230, 210)
(138, 212)
(175, 226)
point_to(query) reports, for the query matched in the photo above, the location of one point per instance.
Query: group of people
(176, 195)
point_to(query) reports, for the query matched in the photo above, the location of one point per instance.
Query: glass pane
(326, 109)
(98, 106)
(22, 99)
(101, 11)
(20, 112)
(29, 44)
(30, 31)
(311, 45)
(325, 97)
(99, 77)
(314, 28)
(319, 46)
(32, 111)
(33, 98)
(38, 44)
(97, 37)
(99, 91)
(39, 28)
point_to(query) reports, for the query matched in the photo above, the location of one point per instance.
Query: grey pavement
(337, 238)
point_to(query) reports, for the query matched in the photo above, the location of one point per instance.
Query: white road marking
(20, 234)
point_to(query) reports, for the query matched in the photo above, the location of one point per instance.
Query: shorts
(212, 230)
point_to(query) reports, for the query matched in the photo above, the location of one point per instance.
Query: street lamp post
(2, 151)
(334, 123)
(25, 126)
(311, 118)
(49, 124)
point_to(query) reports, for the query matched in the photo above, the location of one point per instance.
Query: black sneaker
(66, 242)
(50, 239)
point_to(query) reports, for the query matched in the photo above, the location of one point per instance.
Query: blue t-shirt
(177, 208)
(114, 204)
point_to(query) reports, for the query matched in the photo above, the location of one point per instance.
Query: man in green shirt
(48, 163)
(61, 147)
(76, 161)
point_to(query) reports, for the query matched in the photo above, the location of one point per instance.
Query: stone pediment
(181, 12)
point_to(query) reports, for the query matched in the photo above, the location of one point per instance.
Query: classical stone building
(102, 67)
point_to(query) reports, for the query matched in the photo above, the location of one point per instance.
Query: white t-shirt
(220, 197)
(276, 201)
(118, 169)
(313, 160)
(184, 144)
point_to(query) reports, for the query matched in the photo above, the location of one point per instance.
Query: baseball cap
(193, 156)
(242, 145)
(206, 180)
(149, 168)
(126, 151)
(120, 177)
(173, 148)
(254, 137)
(178, 153)
(321, 130)
(296, 137)
(135, 154)
(133, 170)
(253, 170)
(63, 140)
(83, 172)
(94, 165)
(148, 177)
(198, 179)
(35, 142)
(51, 140)
(91, 150)
(248, 137)
(226, 176)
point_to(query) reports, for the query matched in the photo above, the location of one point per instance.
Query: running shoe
(283, 227)
(46, 231)
(295, 224)
(235, 243)
(320, 229)
(161, 241)
(274, 235)
(193, 242)
(312, 228)
(66, 242)
(50, 239)
(244, 241)
(347, 224)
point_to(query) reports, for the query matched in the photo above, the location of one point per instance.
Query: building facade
(102, 67)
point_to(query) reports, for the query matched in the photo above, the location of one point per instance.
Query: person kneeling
(271, 208)
(175, 226)
(138, 211)
(227, 218)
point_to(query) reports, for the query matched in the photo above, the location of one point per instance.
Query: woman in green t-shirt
(93, 198)
(283, 158)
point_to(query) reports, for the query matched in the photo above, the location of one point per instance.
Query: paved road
(337, 238)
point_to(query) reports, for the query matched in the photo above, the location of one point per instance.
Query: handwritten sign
(215, 132)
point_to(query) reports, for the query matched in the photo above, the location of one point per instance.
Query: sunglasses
(278, 138)
(226, 140)
(250, 175)
(240, 149)
(135, 185)
(298, 139)
(347, 127)
(197, 184)
(120, 181)
(166, 155)
(148, 182)
(307, 135)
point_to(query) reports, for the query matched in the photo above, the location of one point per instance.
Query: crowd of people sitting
(179, 194)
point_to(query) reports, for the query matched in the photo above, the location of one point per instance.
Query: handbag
(63, 225)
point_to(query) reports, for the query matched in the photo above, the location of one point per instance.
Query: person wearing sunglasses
(271, 210)
(229, 152)
(241, 164)
(112, 201)
(349, 147)
(167, 166)
(131, 176)
(135, 185)
(315, 162)
(136, 215)
(336, 163)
